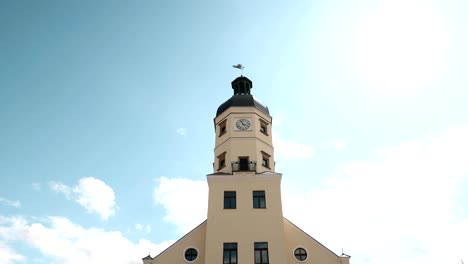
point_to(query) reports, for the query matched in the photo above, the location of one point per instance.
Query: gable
(316, 252)
(175, 253)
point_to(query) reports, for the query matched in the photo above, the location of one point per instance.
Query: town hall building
(245, 222)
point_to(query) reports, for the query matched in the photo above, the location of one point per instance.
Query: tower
(245, 222)
(243, 133)
(244, 204)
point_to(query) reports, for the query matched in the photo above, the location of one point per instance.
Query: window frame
(265, 157)
(221, 160)
(257, 197)
(222, 128)
(230, 199)
(260, 248)
(185, 253)
(264, 127)
(306, 254)
(230, 251)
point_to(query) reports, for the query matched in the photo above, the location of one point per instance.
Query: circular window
(300, 254)
(191, 254)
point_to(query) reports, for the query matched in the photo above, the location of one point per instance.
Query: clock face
(243, 124)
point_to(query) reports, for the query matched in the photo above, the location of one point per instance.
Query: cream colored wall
(245, 225)
(316, 252)
(243, 112)
(238, 143)
(345, 259)
(175, 253)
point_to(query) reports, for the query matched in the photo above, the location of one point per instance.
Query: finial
(343, 254)
(240, 67)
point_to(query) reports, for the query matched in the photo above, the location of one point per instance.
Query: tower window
(259, 199)
(263, 127)
(191, 254)
(230, 253)
(229, 200)
(222, 160)
(300, 254)
(265, 159)
(222, 128)
(261, 252)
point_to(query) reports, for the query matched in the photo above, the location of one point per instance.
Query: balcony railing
(244, 166)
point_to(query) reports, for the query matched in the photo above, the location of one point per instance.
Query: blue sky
(107, 107)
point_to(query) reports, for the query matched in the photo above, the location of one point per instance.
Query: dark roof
(243, 100)
(242, 96)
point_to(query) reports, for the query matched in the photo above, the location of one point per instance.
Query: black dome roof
(242, 100)
(242, 97)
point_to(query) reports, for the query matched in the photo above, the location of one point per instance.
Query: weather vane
(240, 67)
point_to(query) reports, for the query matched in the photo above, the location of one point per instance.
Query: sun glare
(401, 47)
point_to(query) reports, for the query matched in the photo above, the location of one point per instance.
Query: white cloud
(339, 144)
(7, 255)
(139, 227)
(287, 149)
(61, 188)
(96, 196)
(66, 242)
(396, 208)
(181, 131)
(92, 194)
(148, 229)
(176, 196)
(390, 57)
(7, 202)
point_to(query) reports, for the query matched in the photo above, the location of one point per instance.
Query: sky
(107, 107)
